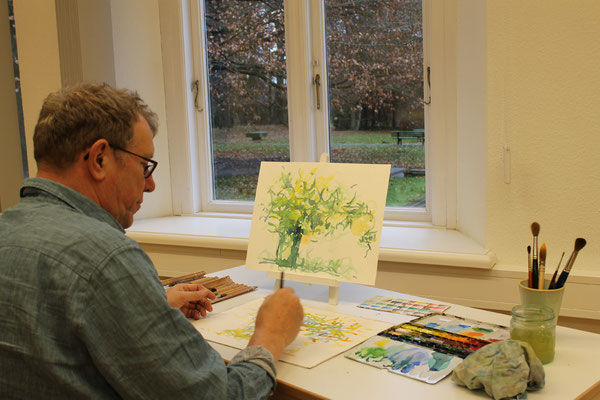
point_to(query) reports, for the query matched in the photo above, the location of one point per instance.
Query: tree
(309, 209)
(375, 61)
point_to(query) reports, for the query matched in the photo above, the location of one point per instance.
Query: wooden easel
(334, 285)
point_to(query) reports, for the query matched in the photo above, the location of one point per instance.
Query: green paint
(311, 209)
(371, 353)
(483, 330)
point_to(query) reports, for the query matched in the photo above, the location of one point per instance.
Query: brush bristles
(580, 244)
(543, 253)
(535, 229)
(528, 249)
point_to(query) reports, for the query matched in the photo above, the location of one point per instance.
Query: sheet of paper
(319, 219)
(324, 334)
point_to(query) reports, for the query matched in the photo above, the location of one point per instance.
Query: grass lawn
(402, 192)
(377, 146)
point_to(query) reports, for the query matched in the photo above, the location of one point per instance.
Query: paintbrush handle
(534, 274)
(234, 294)
(553, 280)
(562, 279)
(541, 273)
(181, 279)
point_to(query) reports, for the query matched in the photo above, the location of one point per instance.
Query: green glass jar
(535, 325)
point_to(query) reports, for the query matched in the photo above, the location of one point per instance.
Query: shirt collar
(36, 186)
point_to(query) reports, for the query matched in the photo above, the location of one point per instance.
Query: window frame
(192, 190)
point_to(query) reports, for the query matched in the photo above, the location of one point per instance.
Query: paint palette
(444, 342)
(405, 359)
(427, 348)
(466, 327)
(401, 306)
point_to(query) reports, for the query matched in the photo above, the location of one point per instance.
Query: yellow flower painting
(319, 219)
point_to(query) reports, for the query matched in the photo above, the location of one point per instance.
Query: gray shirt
(83, 314)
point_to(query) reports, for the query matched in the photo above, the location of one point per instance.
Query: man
(83, 312)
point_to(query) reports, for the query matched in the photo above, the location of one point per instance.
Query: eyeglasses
(148, 168)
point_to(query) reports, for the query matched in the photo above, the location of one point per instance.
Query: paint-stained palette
(402, 306)
(427, 348)
(323, 334)
(466, 327)
(405, 359)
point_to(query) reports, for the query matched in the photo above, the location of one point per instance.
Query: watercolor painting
(319, 219)
(405, 359)
(401, 306)
(323, 334)
(465, 327)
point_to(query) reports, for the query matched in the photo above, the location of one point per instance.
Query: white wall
(138, 65)
(37, 42)
(131, 28)
(544, 101)
(11, 169)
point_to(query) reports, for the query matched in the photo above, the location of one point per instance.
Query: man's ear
(96, 159)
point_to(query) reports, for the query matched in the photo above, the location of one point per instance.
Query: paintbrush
(542, 268)
(234, 294)
(535, 230)
(551, 285)
(529, 279)
(281, 281)
(579, 244)
(182, 279)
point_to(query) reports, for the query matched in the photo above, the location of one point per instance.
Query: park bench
(418, 134)
(256, 135)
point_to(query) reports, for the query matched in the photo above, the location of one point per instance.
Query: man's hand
(191, 299)
(278, 321)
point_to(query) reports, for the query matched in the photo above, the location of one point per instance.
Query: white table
(574, 371)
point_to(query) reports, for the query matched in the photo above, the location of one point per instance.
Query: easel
(334, 285)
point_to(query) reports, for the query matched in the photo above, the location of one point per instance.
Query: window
(290, 80)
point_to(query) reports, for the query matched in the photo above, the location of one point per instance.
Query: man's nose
(150, 185)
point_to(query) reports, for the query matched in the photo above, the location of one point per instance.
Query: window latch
(317, 83)
(195, 91)
(428, 101)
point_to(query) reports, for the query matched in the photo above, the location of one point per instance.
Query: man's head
(72, 119)
(98, 140)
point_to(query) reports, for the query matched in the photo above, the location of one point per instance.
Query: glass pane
(375, 70)
(247, 83)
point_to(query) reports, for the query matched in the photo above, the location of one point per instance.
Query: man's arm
(146, 349)
(278, 321)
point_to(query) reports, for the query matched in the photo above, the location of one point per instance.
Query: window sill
(416, 243)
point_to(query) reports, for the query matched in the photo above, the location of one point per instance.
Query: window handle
(428, 101)
(317, 83)
(195, 91)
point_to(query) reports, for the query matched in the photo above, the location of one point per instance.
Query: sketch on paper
(323, 333)
(405, 359)
(319, 219)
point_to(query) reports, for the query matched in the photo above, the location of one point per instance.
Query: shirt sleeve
(146, 349)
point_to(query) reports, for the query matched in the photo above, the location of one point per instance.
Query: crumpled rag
(505, 369)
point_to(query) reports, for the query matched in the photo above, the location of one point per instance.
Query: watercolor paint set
(466, 327)
(401, 306)
(427, 348)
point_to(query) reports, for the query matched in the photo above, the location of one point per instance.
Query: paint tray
(405, 359)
